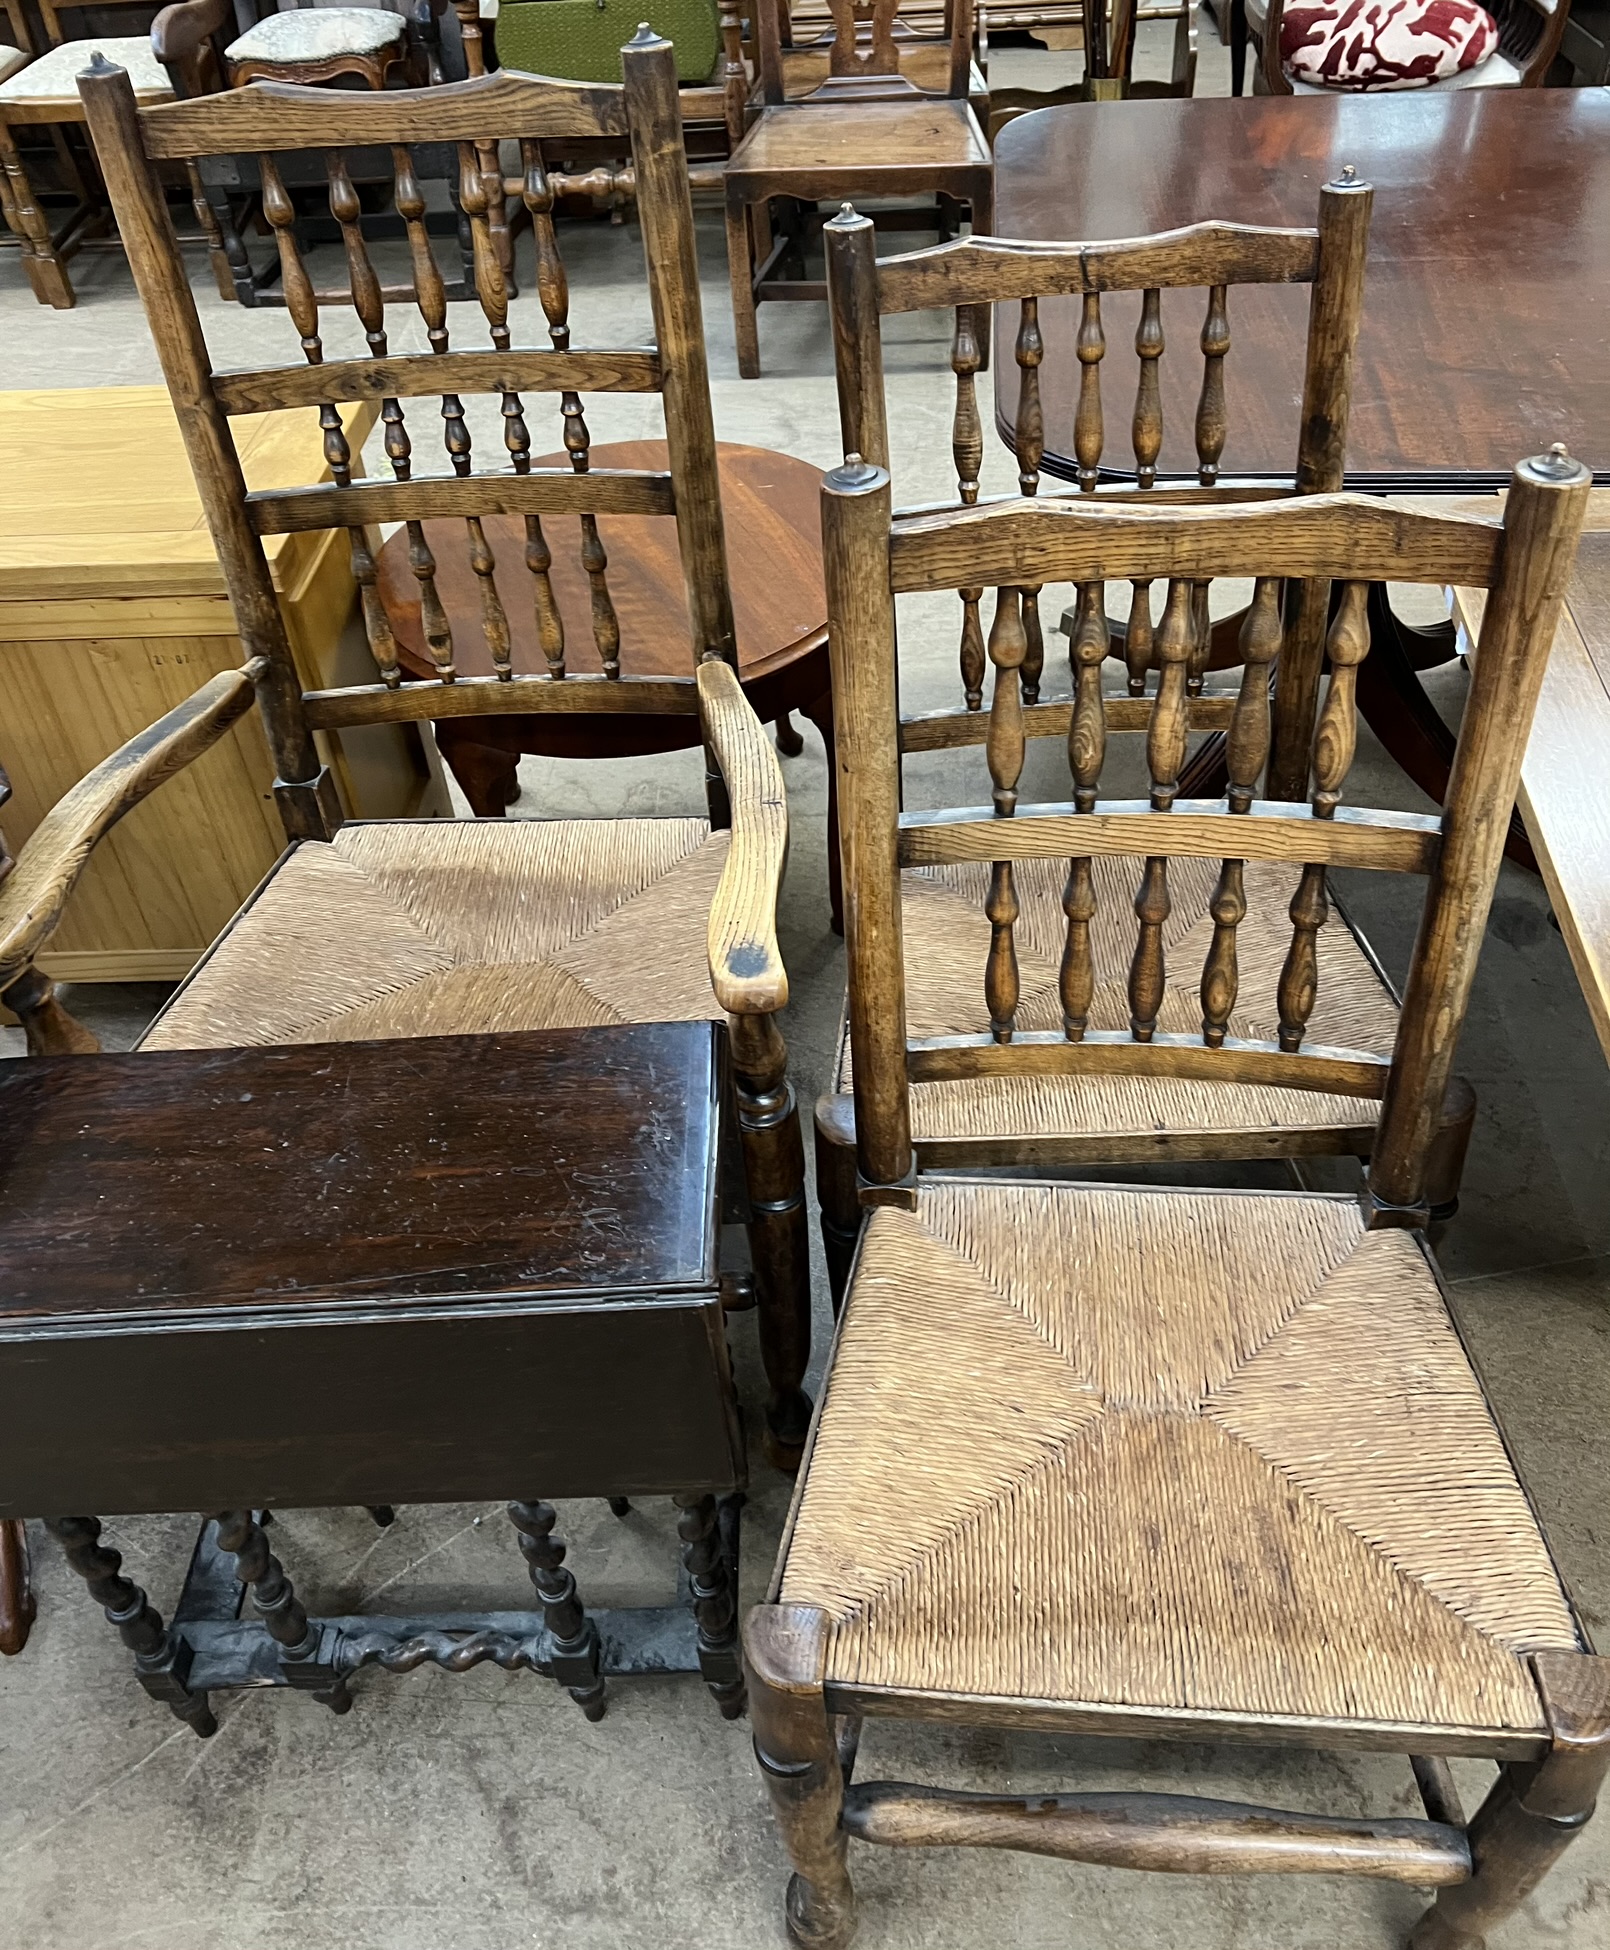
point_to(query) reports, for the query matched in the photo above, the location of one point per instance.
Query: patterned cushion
(55, 74)
(1384, 44)
(318, 34)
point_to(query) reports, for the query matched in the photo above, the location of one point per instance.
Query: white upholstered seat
(318, 34)
(55, 74)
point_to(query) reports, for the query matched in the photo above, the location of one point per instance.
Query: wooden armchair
(1152, 1463)
(1529, 37)
(867, 131)
(465, 926)
(1119, 288)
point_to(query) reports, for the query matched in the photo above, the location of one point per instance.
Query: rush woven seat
(946, 941)
(426, 928)
(1141, 1451)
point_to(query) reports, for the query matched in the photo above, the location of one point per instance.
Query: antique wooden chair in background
(415, 1248)
(459, 926)
(41, 93)
(1070, 1119)
(1529, 37)
(1157, 1462)
(867, 131)
(922, 49)
(1109, 40)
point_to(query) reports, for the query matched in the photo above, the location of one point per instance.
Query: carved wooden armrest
(745, 966)
(178, 31)
(54, 854)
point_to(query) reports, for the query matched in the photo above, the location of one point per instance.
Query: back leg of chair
(836, 1190)
(1445, 1165)
(741, 274)
(487, 775)
(41, 262)
(17, 1607)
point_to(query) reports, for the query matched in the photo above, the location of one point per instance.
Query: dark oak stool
(369, 1273)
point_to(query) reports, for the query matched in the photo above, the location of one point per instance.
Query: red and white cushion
(1377, 45)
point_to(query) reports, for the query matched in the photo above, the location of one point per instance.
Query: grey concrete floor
(481, 1811)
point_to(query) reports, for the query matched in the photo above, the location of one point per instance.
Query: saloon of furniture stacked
(429, 1158)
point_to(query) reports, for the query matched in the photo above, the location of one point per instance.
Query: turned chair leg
(40, 258)
(789, 741)
(801, 1760)
(1535, 1810)
(577, 1658)
(836, 1192)
(741, 275)
(715, 1601)
(17, 1607)
(774, 1168)
(50, 1030)
(1445, 1162)
(161, 1656)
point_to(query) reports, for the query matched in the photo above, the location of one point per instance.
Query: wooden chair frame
(864, 76)
(1529, 34)
(269, 119)
(806, 1723)
(972, 275)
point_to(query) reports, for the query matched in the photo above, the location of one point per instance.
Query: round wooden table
(770, 505)
(1485, 299)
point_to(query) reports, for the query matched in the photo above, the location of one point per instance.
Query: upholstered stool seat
(947, 937)
(54, 76)
(318, 33)
(452, 927)
(1203, 1455)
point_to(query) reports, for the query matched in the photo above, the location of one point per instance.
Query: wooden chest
(112, 610)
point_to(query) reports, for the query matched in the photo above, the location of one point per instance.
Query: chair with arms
(867, 131)
(1157, 1463)
(457, 927)
(1119, 288)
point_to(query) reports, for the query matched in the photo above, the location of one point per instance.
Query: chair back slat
(1342, 540)
(442, 496)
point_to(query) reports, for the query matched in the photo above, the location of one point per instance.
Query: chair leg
(836, 1192)
(576, 1652)
(17, 1607)
(715, 1601)
(1535, 1810)
(161, 1657)
(1238, 46)
(774, 1168)
(800, 1759)
(1445, 1164)
(40, 260)
(741, 273)
(821, 715)
(789, 741)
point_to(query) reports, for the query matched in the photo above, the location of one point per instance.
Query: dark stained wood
(525, 1218)
(1489, 268)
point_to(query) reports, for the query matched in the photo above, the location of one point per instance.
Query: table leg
(1395, 706)
(17, 1606)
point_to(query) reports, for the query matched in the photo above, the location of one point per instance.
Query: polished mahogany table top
(1487, 293)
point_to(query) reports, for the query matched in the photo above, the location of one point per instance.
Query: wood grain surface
(1489, 268)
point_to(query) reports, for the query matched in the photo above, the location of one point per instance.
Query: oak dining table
(1483, 340)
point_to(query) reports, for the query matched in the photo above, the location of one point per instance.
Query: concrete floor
(482, 1811)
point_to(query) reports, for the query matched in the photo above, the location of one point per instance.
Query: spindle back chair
(1066, 1119)
(268, 120)
(1160, 1463)
(975, 274)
